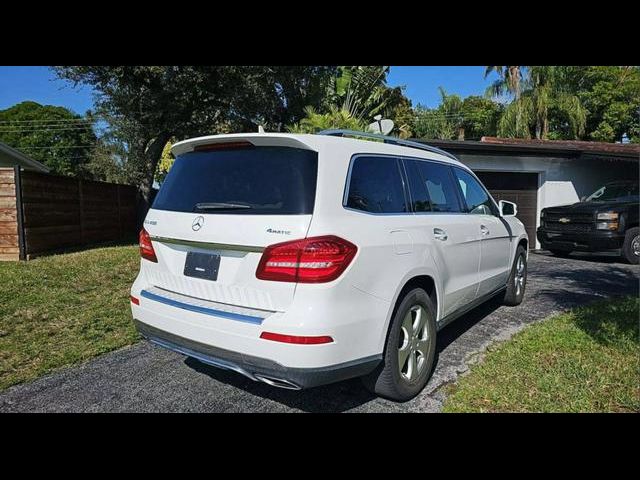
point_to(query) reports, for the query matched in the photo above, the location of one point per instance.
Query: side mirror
(507, 209)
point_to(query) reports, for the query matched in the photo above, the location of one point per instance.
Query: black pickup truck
(605, 220)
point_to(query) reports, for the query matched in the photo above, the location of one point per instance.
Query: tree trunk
(151, 156)
(460, 133)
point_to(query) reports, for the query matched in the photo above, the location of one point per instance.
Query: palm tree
(509, 81)
(543, 91)
(314, 122)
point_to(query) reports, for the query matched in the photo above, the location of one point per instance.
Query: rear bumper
(257, 368)
(595, 241)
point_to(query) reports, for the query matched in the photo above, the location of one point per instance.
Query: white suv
(300, 260)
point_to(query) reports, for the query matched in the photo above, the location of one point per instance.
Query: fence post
(17, 179)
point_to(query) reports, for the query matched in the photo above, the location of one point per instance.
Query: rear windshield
(247, 181)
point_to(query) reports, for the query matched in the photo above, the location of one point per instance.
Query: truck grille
(573, 217)
(568, 227)
(578, 222)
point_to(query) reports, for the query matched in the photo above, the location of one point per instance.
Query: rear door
(454, 240)
(215, 213)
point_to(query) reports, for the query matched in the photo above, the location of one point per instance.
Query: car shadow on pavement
(588, 257)
(337, 397)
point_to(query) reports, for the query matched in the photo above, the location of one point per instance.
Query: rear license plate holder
(202, 265)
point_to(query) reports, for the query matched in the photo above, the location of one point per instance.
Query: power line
(57, 146)
(50, 120)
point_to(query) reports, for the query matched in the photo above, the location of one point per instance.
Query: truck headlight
(607, 216)
(610, 223)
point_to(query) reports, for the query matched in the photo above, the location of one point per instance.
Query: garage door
(519, 188)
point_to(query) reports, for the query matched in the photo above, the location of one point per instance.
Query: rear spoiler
(257, 139)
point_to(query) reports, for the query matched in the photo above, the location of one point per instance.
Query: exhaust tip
(277, 382)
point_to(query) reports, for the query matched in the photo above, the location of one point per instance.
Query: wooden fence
(52, 212)
(9, 248)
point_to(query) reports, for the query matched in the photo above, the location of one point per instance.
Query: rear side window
(250, 181)
(432, 187)
(376, 186)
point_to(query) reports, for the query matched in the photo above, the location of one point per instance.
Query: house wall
(561, 181)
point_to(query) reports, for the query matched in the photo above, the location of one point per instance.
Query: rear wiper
(220, 206)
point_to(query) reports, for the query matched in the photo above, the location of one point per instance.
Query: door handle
(484, 230)
(440, 234)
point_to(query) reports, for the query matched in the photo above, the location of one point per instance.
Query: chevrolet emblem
(564, 220)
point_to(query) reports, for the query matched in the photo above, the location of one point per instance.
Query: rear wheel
(560, 253)
(517, 279)
(409, 351)
(631, 246)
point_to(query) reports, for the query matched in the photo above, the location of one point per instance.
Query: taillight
(310, 260)
(134, 300)
(146, 247)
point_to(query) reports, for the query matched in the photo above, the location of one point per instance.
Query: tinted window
(419, 195)
(376, 186)
(252, 181)
(477, 200)
(432, 187)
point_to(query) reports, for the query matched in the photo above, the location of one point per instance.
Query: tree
(145, 106)
(611, 98)
(509, 81)
(55, 136)
(354, 95)
(480, 117)
(334, 118)
(543, 93)
(166, 161)
(444, 122)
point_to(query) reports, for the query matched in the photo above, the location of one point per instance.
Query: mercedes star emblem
(197, 223)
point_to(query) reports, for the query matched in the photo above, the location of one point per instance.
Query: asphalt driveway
(145, 378)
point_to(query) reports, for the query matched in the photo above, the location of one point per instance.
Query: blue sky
(40, 84)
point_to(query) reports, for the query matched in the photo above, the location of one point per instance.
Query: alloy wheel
(414, 342)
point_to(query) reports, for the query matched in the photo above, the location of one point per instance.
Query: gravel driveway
(145, 378)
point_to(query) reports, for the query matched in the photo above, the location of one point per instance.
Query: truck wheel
(409, 352)
(560, 253)
(517, 279)
(631, 246)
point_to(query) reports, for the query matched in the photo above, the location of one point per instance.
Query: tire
(517, 282)
(561, 253)
(403, 382)
(631, 245)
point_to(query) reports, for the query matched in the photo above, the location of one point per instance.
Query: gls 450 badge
(279, 232)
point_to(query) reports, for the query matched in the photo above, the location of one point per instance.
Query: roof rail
(387, 139)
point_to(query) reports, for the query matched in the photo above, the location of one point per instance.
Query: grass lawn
(586, 360)
(60, 310)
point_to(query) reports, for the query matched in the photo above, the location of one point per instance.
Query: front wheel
(631, 246)
(517, 279)
(409, 352)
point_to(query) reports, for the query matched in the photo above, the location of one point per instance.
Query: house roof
(550, 148)
(16, 157)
